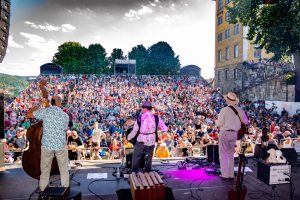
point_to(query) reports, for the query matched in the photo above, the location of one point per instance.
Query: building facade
(4, 27)
(232, 51)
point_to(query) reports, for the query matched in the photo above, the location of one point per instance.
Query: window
(227, 53)
(220, 19)
(226, 74)
(219, 37)
(219, 75)
(235, 73)
(220, 4)
(227, 1)
(257, 52)
(219, 56)
(236, 51)
(227, 16)
(227, 33)
(236, 29)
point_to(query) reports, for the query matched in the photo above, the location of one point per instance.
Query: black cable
(97, 181)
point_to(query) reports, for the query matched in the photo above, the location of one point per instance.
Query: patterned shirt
(147, 126)
(55, 123)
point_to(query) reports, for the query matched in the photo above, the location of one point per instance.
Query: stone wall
(273, 90)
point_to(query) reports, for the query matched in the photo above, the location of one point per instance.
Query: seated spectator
(115, 149)
(296, 145)
(19, 144)
(162, 151)
(8, 156)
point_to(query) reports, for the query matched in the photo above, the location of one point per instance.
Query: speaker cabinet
(212, 152)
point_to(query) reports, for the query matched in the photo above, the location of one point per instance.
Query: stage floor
(15, 184)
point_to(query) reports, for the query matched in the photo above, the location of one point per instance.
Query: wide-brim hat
(231, 98)
(147, 104)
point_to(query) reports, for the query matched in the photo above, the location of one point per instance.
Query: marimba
(146, 186)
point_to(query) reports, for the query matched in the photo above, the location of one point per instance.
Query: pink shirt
(147, 126)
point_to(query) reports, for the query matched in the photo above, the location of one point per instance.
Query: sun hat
(231, 98)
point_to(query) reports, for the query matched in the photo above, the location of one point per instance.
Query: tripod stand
(73, 170)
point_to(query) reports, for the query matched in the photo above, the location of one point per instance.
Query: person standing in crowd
(229, 124)
(146, 138)
(55, 124)
(97, 136)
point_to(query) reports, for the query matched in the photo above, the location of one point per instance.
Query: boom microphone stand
(119, 171)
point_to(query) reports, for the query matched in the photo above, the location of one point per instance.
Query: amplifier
(273, 174)
(60, 193)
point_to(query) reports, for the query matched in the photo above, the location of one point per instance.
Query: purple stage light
(191, 175)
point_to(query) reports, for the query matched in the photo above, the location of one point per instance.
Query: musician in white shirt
(229, 124)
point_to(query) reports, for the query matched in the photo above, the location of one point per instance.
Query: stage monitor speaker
(1, 115)
(212, 152)
(55, 193)
(290, 154)
(125, 194)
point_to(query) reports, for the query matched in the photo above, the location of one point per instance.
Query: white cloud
(145, 10)
(51, 28)
(68, 28)
(39, 42)
(33, 37)
(12, 43)
(137, 14)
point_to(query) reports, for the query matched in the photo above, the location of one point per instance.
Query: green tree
(275, 27)
(140, 54)
(97, 58)
(162, 60)
(73, 58)
(115, 54)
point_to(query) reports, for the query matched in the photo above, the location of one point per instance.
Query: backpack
(138, 119)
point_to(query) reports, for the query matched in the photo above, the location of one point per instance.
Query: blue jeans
(138, 151)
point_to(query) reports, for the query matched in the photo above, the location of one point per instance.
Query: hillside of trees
(13, 84)
(158, 59)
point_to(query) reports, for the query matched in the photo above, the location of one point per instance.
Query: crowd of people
(99, 108)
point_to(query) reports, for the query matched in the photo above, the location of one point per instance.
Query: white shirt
(96, 136)
(228, 120)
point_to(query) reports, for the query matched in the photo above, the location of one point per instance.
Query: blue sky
(38, 27)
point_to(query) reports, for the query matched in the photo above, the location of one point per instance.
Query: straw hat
(231, 98)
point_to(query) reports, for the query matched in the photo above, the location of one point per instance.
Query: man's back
(55, 122)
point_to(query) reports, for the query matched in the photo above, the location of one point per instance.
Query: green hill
(13, 84)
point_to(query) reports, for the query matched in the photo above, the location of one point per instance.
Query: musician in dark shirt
(75, 146)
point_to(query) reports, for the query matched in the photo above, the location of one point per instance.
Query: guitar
(240, 191)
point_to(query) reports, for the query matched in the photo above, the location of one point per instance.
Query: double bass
(31, 159)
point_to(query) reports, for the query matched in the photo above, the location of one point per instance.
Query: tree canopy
(274, 27)
(159, 59)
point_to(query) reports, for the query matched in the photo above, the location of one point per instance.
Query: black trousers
(139, 150)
